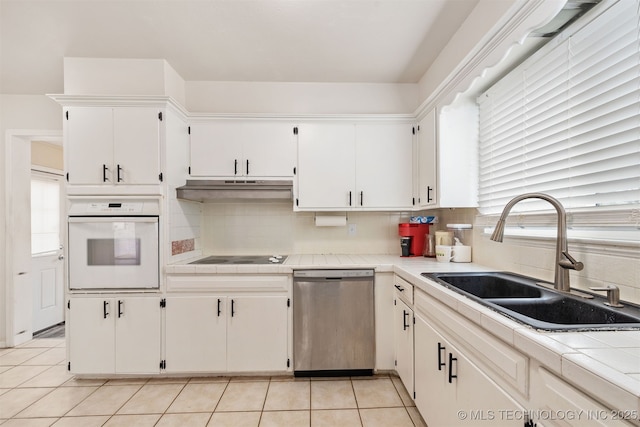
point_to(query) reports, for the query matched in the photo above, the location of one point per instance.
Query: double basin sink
(525, 300)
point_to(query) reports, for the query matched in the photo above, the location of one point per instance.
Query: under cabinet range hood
(229, 190)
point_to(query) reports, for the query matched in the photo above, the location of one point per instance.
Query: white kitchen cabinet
(195, 334)
(427, 172)
(114, 335)
(452, 390)
(257, 333)
(326, 166)
(241, 148)
(403, 339)
(344, 166)
(112, 146)
(559, 404)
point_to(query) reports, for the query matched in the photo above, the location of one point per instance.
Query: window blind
(566, 122)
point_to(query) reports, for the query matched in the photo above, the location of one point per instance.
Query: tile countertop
(605, 363)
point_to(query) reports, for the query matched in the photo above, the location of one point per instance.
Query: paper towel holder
(330, 220)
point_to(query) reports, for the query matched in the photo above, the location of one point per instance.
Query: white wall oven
(114, 244)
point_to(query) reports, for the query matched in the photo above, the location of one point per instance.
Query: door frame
(13, 138)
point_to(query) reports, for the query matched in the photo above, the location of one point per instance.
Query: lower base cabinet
(114, 335)
(403, 325)
(226, 334)
(451, 390)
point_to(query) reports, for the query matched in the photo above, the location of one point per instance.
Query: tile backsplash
(265, 228)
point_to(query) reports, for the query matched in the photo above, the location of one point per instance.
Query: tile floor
(36, 390)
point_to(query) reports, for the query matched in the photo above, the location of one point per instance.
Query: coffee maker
(412, 237)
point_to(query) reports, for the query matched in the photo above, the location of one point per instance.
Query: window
(566, 122)
(45, 215)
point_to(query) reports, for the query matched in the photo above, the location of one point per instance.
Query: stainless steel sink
(525, 300)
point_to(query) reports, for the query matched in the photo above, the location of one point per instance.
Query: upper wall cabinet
(364, 166)
(112, 146)
(242, 148)
(426, 178)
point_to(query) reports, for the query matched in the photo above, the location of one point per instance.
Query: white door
(384, 150)
(427, 160)
(257, 326)
(89, 145)
(136, 145)
(403, 325)
(326, 166)
(196, 334)
(47, 267)
(92, 335)
(137, 348)
(216, 149)
(268, 149)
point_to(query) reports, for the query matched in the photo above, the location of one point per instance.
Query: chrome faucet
(564, 261)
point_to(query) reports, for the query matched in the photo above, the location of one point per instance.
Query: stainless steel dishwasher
(333, 322)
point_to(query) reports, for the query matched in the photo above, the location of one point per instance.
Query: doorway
(18, 301)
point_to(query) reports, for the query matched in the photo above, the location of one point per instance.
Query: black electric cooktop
(242, 259)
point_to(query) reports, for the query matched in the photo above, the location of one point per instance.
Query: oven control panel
(118, 207)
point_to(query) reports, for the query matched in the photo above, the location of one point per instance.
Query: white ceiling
(381, 41)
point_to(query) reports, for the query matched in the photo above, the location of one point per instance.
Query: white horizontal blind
(566, 122)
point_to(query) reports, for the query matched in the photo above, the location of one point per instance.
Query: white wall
(301, 98)
(29, 113)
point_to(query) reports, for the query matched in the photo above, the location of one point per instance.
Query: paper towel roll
(331, 220)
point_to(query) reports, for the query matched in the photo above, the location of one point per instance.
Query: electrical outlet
(352, 230)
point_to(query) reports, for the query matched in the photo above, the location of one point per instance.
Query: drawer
(403, 290)
(236, 283)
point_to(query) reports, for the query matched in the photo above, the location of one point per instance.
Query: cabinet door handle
(349, 198)
(451, 375)
(440, 362)
(105, 313)
(247, 167)
(219, 311)
(361, 198)
(118, 174)
(104, 173)
(233, 308)
(120, 308)
(405, 324)
(235, 167)
(429, 198)
(400, 288)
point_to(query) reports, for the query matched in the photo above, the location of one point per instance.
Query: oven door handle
(108, 219)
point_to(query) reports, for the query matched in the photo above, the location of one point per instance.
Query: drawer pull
(451, 375)
(400, 288)
(441, 348)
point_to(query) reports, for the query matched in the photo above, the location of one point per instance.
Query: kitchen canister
(444, 238)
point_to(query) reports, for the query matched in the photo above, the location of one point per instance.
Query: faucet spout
(564, 261)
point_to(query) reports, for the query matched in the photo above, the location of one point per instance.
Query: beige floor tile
(93, 421)
(53, 377)
(18, 399)
(184, 420)
(202, 397)
(332, 395)
(19, 356)
(82, 382)
(57, 403)
(417, 419)
(234, 419)
(288, 395)
(285, 418)
(19, 374)
(133, 420)
(43, 343)
(127, 381)
(198, 380)
(49, 357)
(4, 368)
(33, 422)
(250, 378)
(407, 400)
(105, 401)
(379, 393)
(335, 417)
(385, 417)
(6, 350)
(243, 396)
(168, 380)
(152, 399)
